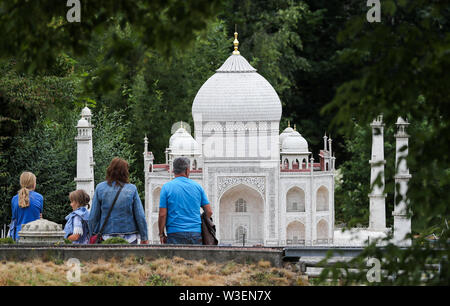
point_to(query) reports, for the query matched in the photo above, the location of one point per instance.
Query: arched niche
(322, 230)
(155, 196)
(322, 199)
(304, 163)
(295, 233)
(286, 164)
(295, 164)
(295, 200)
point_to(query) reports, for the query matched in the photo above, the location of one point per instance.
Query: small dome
(175, 135)
(41, 225)
(295, 143)
(287, 131)
(82, 123)
(41, 231)
(400, 120)
(179, 132)
(182, 143)
(86, 112)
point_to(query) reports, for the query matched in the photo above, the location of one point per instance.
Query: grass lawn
(175, 271)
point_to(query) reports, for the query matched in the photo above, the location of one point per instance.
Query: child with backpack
(76, 228)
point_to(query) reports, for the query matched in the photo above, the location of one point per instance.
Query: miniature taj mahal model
(265, 188)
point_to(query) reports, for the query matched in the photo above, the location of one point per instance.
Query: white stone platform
(358, 237)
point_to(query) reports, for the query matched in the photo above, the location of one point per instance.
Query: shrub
(7, 240)
(115, 240)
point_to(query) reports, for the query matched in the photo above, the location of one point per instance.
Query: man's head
(181, 166)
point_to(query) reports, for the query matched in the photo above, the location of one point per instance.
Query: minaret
(331, 165)
(148, 168)
(87, 114)
(148, 157)
(402, 222)
(377, 219)
(85, 155)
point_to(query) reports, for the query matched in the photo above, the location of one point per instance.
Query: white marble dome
(82, 123)
(182, 143)
(400, 120)
(86, 112)
(236, 92)
(287, 131)
(177, 133)
(294, 143)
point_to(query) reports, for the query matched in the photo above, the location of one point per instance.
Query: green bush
(158, 280)
(7, 240)
(115, 240)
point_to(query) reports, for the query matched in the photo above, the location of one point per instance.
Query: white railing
(295, 241)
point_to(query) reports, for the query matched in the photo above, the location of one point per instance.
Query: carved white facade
(264, 188)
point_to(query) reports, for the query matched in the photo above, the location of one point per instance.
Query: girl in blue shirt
(76, 228)
(26, 205)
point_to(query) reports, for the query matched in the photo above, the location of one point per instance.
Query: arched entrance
(241, 216)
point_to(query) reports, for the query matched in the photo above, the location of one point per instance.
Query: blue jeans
(184, 238)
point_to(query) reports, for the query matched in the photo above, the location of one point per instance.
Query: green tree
(353, 188)
(163, 91)
(293, 45)
(24, 99)
(110, 139)
(48, 150)
(37, 31)
(402, 64)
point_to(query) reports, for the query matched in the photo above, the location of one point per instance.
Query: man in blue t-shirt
(179, 207)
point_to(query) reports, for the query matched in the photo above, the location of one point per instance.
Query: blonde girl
(26, 205)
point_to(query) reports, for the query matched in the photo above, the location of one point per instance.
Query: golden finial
(289, 123)
(235, 42)
(295, 127)
(181, 124)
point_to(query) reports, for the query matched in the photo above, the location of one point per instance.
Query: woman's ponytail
(27, 183)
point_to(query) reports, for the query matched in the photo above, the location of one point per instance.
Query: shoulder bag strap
(109, 212)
